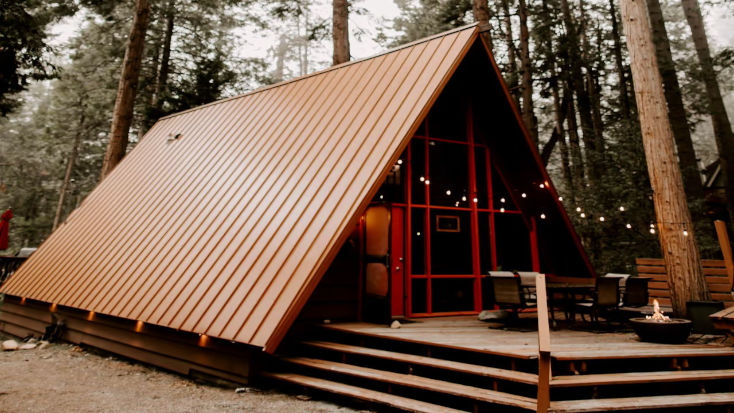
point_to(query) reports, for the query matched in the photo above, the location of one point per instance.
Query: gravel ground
(65, 378)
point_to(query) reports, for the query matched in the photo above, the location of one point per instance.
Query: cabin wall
(182, 352)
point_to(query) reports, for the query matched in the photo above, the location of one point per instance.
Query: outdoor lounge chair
(509, 294)
(605, 298)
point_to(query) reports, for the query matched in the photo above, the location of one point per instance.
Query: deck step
(397, 402)
(665, 351)
(510, 375)
(637, 403)
(646, 377)
(460, 390)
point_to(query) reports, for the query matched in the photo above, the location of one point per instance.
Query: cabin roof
(223, 218)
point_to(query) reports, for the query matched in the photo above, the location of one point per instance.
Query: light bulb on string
(381, 196)
(502, 210)
(685, 232)
(578, 209)
(621, 208)
(400, 161)
(583, 215)
(601, 219)
(502, 200)
(542, 216)
(422, 179)
(652, 230)
(476, 200)
(418, 234)
(542, 186)
(463, 198)
(428, 182)
(524, 195)
(652, 225)
(560, 198)
(629, 226)
(448, 192)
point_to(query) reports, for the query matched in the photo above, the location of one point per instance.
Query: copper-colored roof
(225, 230)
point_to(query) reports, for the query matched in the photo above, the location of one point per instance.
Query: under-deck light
(53, 307)
(139, 326)
(91, 316)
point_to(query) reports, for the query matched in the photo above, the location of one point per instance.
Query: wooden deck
(468, 333)
(461, 364)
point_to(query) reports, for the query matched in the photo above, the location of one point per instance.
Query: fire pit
(659, 328)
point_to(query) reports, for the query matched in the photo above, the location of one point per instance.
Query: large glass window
(451, 242)
(512, 243)
(418, 171)
(418, 241)
(449, 172)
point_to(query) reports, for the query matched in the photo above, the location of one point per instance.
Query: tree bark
(122, 116)
(340, 31)
(719, 117)
(680, 252)
(676, 110)
(480, 9)
(577, 162)
(528, 110)
(280, 53)
(161, 88)
(624, 102)
(512, 81)
(70, 167)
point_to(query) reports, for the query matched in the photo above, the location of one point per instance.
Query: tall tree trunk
(682, 259)
(122, 116)
(624, 102)
(340, 31)
(280, 53)
(577, 85)
(512, 81)
(577, 162)
(719, 117)
(676, 110)
(162, 84)
(480, 9)
(70, 166)
(592, 76)
(528, 110)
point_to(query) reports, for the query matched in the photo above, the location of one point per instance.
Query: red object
(5, 228)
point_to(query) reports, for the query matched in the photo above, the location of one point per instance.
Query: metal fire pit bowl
(674, 331)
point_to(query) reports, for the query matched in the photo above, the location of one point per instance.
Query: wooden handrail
(544, 346)
(726, 250)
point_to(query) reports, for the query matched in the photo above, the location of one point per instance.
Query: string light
(381, 197)
(583, 215)
(542, 186)
(542, 216)
(685, 232)
(629, 226)
(418, 234)
(652, 230)
(524, 195)
(578, 209)
(601, 219)
(422, 179)
(448, 192)
(463, 198)
(502, 210)
(560, 198)
(652, 225)
(621, 208)
(502, 200)
(428, 182)
(476, 200)
(457, 203)
(400, 161)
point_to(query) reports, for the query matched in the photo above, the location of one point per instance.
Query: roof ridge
(323, 71)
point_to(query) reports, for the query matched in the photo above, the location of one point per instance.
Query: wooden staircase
(418, 377)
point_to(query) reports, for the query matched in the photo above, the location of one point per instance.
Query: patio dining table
(570, 294)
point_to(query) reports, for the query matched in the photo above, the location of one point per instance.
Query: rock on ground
(9, 345)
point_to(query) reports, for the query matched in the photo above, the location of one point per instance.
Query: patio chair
(636, 293)
(509, 295)
(606, 298)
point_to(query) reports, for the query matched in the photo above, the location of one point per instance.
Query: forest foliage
(565, 62)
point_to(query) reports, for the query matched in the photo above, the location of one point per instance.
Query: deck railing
(544, 346)
(8, 265)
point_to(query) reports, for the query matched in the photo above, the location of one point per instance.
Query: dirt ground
(65, 378)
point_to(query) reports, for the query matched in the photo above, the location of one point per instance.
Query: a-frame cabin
(378, 189)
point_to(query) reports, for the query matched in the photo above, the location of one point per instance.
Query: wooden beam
(544, 347)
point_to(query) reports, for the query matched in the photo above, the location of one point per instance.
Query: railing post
(544, 347)
(726, 251)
